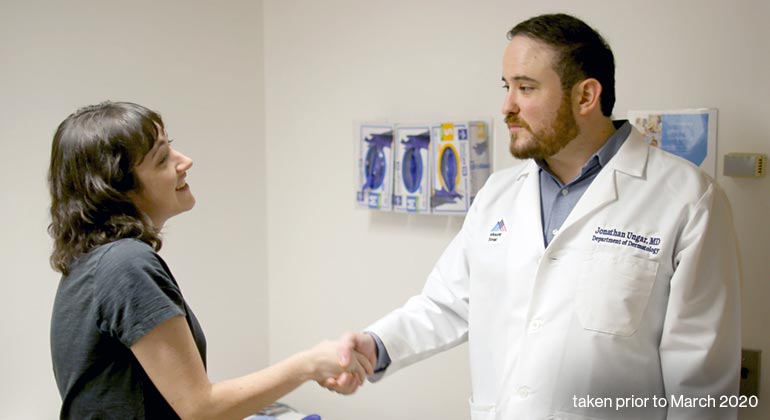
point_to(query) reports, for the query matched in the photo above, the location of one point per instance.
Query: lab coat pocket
(613, 292)
(482, 411)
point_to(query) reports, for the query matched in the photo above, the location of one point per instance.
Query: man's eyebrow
(524, 79)
(520, 79)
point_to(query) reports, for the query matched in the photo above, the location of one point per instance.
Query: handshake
(342, 366)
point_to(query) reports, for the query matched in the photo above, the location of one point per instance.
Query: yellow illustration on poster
(688, 133)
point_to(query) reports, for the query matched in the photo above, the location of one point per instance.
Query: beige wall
(332, 267)
(271, 136)
(200, 65)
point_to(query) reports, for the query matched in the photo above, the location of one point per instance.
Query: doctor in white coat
(598, 280)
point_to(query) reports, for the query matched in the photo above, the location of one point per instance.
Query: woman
(124, 342)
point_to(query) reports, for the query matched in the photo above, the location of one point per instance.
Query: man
(613, 289)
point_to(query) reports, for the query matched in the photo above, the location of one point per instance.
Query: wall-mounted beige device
(745, 164)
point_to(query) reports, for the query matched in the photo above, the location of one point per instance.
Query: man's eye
(526, 88)
(506, 87)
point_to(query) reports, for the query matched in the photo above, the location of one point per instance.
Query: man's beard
(549, 140)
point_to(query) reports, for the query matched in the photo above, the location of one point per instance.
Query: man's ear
(587, 96)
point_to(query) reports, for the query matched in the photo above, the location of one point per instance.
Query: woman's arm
(169, 356)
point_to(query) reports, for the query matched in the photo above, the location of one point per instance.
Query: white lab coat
(637, 295)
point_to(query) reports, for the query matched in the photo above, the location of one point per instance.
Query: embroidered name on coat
(614, 236)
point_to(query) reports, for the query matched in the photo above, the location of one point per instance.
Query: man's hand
(350, 346)
(324, 363)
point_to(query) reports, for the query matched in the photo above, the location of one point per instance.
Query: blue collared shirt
(556, 203)
(557, 200)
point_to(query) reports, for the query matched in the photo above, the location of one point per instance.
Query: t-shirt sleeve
(134, 292)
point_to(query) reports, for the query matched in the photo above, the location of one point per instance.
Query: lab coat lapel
(527, 207)
(630, 159)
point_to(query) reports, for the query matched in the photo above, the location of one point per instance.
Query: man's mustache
(512, 119)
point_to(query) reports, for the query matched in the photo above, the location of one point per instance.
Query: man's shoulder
(681, 175)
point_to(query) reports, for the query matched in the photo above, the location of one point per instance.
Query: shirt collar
(612, 145)
(605, 153)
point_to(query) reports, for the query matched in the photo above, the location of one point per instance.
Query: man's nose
(509, 104)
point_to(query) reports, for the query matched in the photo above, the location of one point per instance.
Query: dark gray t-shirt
(112, 297)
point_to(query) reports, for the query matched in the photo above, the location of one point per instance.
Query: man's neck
(567, 163)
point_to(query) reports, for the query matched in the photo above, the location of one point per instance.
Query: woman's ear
(587, 96)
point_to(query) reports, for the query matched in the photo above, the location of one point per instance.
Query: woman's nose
(185, 163)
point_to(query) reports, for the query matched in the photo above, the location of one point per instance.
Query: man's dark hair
(581, 52)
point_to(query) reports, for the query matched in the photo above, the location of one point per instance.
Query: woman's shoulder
(130, 264)
(114, 269)
(130, 246)
(111, 253)
(125, 253)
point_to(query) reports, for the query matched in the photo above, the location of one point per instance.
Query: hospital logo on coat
(497, 232)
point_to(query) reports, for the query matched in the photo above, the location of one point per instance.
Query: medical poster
(688, 133)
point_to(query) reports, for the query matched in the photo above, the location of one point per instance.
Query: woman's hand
(325, 363)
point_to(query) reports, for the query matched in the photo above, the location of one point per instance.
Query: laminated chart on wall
(449, 149)
(688, 133)
(411, 189)
(375, 166)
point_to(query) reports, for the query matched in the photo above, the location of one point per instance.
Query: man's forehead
(524, 52)
(524, 44)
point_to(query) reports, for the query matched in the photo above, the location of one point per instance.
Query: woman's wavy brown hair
(93, 158)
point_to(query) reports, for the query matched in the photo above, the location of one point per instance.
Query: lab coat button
(535, 325)
(523, 391)
(565, 191)
(555, 232)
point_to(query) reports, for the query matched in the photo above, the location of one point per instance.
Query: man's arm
(701, 340)
(433, 321)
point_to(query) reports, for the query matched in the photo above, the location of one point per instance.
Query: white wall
(200, 65)
(332, 267)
